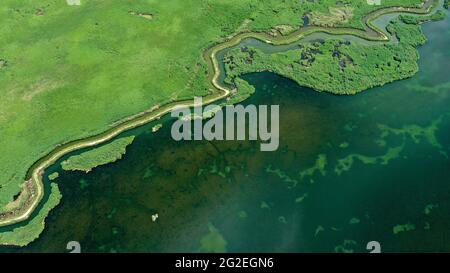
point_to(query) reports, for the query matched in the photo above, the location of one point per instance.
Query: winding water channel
(212, 196)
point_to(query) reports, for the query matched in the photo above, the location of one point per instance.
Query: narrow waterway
(382, 174)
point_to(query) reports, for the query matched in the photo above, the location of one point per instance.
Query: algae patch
(417, 133)
(283, 176)
(243, 214)
(346, 163)
(318, 230)
(302, 198)
(345, 247)
(429, 208)
(213, 241)
(354, 221)
(319, 166)
(403, 228)
(264, 205)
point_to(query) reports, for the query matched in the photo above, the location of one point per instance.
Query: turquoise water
(382, 174)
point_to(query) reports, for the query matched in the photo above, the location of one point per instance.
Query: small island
(103, 155)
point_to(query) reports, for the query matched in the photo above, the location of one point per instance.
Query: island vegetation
(53, 176)
(338, 66)
(105, 154)
(156, 128)
(439, 15)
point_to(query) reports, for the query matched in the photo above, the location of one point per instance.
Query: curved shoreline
(35, 173)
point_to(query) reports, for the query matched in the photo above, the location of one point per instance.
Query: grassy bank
(24, 235)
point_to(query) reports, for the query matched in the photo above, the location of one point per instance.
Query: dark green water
(386, 154)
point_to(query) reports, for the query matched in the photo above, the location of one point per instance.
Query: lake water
(382, 174)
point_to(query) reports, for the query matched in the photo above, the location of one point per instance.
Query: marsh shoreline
(35, 173)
